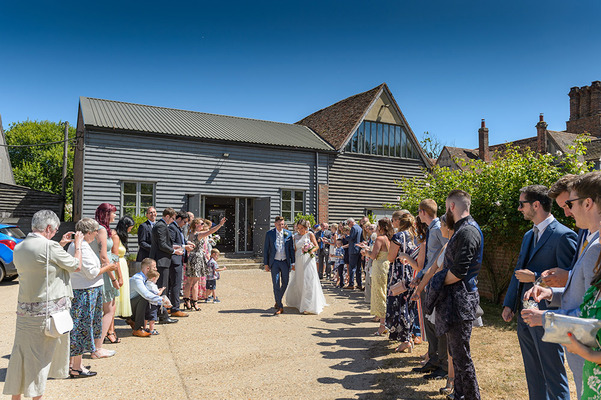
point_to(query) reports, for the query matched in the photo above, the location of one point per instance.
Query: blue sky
(448, 63)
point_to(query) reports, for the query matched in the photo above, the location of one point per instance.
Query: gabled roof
(120, 116)
(336, 122)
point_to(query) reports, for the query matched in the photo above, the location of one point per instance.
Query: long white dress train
(304, 290)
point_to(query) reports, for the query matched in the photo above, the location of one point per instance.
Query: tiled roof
(336, 122)
(459, 152)
(131, 117)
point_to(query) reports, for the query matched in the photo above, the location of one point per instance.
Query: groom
(278, 257)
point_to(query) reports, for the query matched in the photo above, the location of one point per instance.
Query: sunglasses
(522, 202)
(570, 202)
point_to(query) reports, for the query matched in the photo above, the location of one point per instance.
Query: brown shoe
(141, 333)
(348, 287)
(279, 311)
(417, 340)
(179, 314)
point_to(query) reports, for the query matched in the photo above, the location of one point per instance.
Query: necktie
(583, 247)
(535, 239)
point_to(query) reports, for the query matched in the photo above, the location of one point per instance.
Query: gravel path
(233, 350)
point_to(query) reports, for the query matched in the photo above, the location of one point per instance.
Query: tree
(40, 167)
(494, 188)
(431, 145)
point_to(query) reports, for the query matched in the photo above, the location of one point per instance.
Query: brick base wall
(500, 257)
(324, 202)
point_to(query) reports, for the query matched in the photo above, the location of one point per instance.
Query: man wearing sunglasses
(548, 244)
(582, 204)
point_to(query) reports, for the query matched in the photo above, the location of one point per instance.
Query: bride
(304, 290)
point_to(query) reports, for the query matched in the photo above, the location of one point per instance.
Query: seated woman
(86, 310)
(44, 287)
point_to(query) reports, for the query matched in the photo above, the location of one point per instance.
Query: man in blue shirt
(140, 297)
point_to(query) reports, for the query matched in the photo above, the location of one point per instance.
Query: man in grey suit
(354, 238)
(583, 205)
(548, 244)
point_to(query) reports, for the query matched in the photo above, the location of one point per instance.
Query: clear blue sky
(448, 63)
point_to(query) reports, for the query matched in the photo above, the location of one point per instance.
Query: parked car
(10, 235)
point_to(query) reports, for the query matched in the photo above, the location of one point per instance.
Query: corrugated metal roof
(142, 118)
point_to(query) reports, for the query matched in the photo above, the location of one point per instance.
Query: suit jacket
(324, 248)
(353, 238)
(569, 298)
(269, 249)
(555, 248)
(162, 246)
(176, 237)
(144, 240)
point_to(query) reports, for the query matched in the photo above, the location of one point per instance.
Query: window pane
(298, 207)
(145, 202)
(299, 195)
(286, 194)
(129, 210)
(286, 205)
(129, 187)
(361, 140)
(367, 134)
(348, 146)
(147, 188)
(354, 142)
(380, 139)
(403, 144)
(129, 200)
(287, 216)
(397, 144)
(385, 142)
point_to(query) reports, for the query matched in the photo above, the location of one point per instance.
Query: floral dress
(398, 318)
(591, 372)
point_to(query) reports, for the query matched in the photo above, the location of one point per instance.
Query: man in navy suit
(278, 257)
(177, 263)
(354, 252)
(548, 244)
(145, 234)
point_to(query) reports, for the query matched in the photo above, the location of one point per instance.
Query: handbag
(60, 322)
(557, 327)
(399, 287)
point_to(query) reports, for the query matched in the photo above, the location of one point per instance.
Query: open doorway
(237, 233)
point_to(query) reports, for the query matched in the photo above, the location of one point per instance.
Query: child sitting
(213, 276)
(153, 309)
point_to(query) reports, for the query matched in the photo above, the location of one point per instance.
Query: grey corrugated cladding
(142, 118)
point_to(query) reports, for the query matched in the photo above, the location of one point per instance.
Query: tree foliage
(40, 167)
(431, 145)
(494, 188)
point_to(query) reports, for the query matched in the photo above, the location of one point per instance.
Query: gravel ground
(233, 350)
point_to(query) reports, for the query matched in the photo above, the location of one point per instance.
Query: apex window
(380, 139)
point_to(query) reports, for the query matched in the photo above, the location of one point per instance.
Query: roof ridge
(189, 111)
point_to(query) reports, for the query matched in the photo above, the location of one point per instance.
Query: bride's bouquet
(308, 248)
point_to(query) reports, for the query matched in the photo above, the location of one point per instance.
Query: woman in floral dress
(398, 318)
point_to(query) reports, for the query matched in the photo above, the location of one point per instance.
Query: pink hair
(103, 215)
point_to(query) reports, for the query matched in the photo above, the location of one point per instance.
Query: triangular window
(387, 140)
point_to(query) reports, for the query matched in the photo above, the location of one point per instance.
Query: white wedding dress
(304, 290)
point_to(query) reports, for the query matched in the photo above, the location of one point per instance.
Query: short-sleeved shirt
(213, 273)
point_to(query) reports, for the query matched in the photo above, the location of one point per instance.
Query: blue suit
(354, 252)
(543, 362)
(280, 269)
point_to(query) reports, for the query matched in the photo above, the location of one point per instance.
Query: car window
(13, 232)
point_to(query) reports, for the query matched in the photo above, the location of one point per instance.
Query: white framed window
(136, 197)
(293, 202)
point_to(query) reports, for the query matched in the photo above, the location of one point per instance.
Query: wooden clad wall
(359, 182)
(182, 166)
(20, 201)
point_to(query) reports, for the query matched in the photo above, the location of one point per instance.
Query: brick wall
(323, 203)
(500, 257)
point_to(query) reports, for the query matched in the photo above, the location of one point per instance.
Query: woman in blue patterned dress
(86, 308)
(398, 318)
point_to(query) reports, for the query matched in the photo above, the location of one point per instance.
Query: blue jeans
(280, 272)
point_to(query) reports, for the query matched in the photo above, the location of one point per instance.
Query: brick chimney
(483, 150)
(585, 109)
(541, 135)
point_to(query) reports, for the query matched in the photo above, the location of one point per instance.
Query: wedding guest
(458, 305)
(338, 256)
(368, 232)
(584, 207)
(354, 237)
(332, 244)
(590, 308)
(398, 318)
(161, 250)
(548, 244)
(44, 284)
(86, 308)
(122, 303)
(380, 267)
(213, 276)
(435, 241)
(323, 236)
(141, 297)
(102, 247)
(174, 283)
(152, 312)
(345, 273)
(145, 234)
